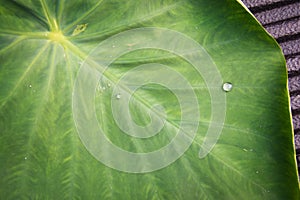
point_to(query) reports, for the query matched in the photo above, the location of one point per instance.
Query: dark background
(281, 18)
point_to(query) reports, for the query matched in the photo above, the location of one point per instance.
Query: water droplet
(118, 96)
(251, 149)
(227, 87)
(103, 88)
(245, 150)
(25, 158)
(108, 85)
(257, 172)
(113, 46)
(30, 85)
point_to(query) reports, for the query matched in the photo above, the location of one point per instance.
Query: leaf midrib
(82, 55)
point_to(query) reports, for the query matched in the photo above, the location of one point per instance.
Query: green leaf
(80, 78)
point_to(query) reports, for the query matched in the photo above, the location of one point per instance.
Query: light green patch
(79, 29)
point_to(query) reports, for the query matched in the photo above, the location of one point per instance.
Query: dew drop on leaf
(118, 96)
(227, 87)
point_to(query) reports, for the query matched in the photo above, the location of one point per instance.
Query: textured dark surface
(281, 18)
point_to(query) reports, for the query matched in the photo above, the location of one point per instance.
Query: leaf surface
(44, 47)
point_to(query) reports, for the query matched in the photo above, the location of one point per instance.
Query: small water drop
(245, 150)
(118, 96)
(113, 46)
(227, 87)
(251, 149)
(108, 85)
(30, 85)
(257, 172)
(25, 158)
